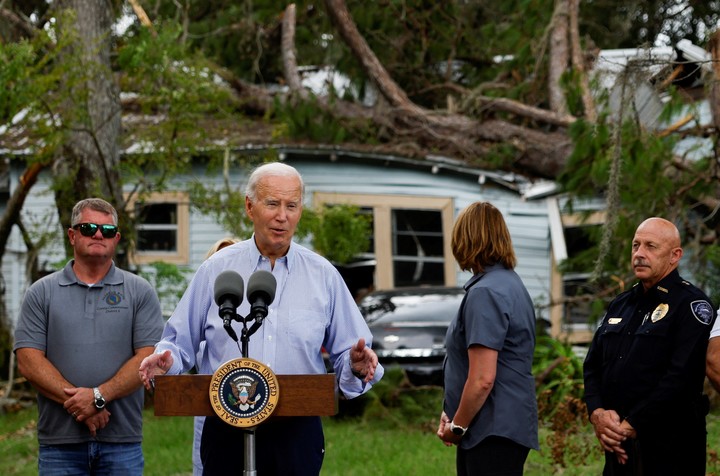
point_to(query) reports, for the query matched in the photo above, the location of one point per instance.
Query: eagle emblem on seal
(244, 389)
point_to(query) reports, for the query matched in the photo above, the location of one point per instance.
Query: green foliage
(559, 375)
(339, 232)
(169, 280)
(177, 85)
(425, 45)
(305, 119)
(586, 172)
(394, 402)
(32, 75)
(18, 428)
(649, 185)
(570, 81)
(14, 76)
(500, 154)
(227, 206)
(559, 386)
(708, 274)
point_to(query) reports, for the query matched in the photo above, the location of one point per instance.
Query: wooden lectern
(300, 395)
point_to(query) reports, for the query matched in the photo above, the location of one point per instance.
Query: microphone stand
(249, 437)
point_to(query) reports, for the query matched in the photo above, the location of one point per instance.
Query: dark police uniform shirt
(647, 358)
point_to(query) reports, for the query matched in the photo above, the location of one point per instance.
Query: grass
(354, 446)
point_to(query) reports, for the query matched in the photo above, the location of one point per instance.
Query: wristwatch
(99, 399)
(458, 430)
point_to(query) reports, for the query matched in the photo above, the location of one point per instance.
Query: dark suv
(408, 327)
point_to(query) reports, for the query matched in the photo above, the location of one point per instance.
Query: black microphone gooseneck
(229, 290)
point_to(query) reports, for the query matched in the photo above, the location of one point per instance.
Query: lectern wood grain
(300, 395)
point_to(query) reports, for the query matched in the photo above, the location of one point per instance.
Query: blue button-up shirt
(312, 309)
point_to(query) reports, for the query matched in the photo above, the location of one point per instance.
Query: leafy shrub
(558, 375)
(394, 402)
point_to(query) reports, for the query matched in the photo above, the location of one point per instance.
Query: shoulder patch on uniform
(703, 311)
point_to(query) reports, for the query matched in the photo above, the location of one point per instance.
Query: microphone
(260, 292)
(229, 289)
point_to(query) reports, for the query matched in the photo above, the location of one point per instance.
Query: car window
(411, 307)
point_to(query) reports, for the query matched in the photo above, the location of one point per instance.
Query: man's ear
(676, 255)
(248, 207)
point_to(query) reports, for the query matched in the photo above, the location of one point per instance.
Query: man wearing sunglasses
(81, 336)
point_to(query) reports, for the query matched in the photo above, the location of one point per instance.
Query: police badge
(244, 392)
(659, 312)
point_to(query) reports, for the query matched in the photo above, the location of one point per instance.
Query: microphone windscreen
(229, 285)
(261, 282)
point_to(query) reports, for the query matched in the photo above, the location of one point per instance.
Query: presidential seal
(244, 392)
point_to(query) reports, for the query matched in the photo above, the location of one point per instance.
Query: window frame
(560, 328)
(182, 254)
(382, 207)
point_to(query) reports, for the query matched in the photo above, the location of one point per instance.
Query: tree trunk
(292, 77)
(340, 16)
(10, 217)
(714, 47)
(88, 164)
(559, 56)
(578, 62)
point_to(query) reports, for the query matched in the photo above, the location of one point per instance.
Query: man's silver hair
(272, 169)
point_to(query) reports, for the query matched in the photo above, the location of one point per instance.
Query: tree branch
(25, 26)
(579, 63)
(288, 52)
(340, 17)
(559, 56)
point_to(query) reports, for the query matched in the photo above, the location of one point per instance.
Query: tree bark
(288, 52)
(90, 158)
(578, 62)
(559, 56)
(9, 218)
(714, 47)
(341, 18)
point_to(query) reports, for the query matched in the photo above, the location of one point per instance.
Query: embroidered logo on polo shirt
(702, 311)
(113, 298)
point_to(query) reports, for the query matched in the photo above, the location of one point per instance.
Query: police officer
(645, 369)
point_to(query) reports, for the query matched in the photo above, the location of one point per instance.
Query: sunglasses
(89, 229)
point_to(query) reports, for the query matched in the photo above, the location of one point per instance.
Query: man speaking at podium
(312, 308)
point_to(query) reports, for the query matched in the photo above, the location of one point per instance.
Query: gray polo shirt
(88, 333)
(497, 313)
